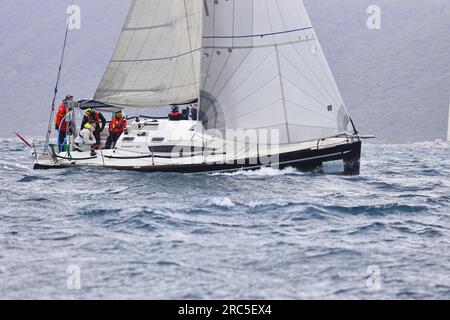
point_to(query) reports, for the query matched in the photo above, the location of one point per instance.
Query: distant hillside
(396, 81)
(32, 34)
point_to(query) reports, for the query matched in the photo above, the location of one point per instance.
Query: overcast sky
(395, 80)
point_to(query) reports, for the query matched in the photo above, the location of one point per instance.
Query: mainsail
(263, 68)
(157, 59)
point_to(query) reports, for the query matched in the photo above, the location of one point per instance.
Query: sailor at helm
(175, 115)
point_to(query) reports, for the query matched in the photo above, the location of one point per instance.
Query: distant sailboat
(448, 127)
(250, 65)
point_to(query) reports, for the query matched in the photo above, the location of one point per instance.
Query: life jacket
(175, 115)
(117, 125)
(97, 117)
(61, 124)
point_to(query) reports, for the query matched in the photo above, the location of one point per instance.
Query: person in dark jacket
(97, 117)
(194, 112)
(185, 113)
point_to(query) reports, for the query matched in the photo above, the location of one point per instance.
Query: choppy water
(267, 234)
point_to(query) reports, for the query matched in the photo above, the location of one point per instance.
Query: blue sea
(268, 234)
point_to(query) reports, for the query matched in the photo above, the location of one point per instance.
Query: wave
(32, 179)
(266, 225)
(99, 212)
(377, 209)
(222, 202)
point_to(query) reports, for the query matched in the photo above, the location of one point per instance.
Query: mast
(55, 93)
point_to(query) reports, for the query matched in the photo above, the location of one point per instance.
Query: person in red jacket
(175, 115)
(117, 126)
(61, 123)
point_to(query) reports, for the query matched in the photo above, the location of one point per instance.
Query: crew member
(117, 126)
(194, 111)
(98, 118)
(185, 113)
(175, 115)
(85, 140)
(61, 122)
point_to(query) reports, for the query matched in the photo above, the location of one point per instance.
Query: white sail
(157, 59)
(263, 67)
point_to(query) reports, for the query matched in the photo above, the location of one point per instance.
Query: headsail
(263, 67)
(157, 59)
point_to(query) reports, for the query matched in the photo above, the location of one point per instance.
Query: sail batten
(261, 35)
(156, 59)
(157, 56)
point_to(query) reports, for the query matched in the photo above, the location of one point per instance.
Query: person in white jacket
(85, 140)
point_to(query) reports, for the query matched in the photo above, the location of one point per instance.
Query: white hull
(162, 145)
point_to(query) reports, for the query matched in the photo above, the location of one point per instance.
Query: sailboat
(254, 71)
(448, 128)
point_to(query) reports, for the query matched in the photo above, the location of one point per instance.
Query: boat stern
(352, 160)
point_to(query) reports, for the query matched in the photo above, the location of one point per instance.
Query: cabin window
(172, 148)
(128, 139)
(157, 139)
(162, 149)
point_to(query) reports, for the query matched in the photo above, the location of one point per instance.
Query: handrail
(340, 135)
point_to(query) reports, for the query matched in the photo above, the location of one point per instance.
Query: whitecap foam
(264, 171)
(221, 202)
(255, 204)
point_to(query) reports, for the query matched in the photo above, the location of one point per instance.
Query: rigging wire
(52, 112)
